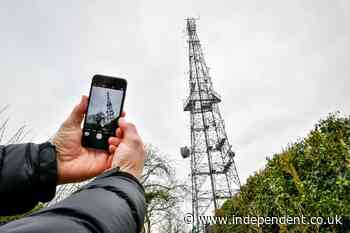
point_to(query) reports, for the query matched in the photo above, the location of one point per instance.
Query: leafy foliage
(5, 219)
(310, 178)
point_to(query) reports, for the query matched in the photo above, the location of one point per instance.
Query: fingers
(119, 133)
(130, 155)
(112, 149)
(77, 115)
(123, 114)
(127, 132)
(114, 141)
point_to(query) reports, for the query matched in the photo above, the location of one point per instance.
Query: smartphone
(106, 101)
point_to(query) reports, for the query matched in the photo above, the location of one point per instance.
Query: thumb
(77, 115)
(128, 129)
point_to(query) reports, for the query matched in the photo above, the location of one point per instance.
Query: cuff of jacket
(47, 172)
(127, 187)
(117, 172)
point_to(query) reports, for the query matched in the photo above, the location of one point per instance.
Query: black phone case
(107, 81)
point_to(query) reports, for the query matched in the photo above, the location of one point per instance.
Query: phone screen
(101, 120)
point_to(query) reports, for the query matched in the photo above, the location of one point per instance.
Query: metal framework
(213, 171)
(109, 111)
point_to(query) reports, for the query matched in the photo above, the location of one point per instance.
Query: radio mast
(213, 171)
(109, 112)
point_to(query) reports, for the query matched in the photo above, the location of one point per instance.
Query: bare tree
(18, 136)
(173, 222)
(163, 192)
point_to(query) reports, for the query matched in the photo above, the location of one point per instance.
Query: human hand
(128, 150)
(74, 162)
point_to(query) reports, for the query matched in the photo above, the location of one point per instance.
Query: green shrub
(5, 219)
(310, 178)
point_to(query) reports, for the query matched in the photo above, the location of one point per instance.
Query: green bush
(310, 178)
(6, 219)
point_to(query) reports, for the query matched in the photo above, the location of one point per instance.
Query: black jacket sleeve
(113, 203)
(28, 174)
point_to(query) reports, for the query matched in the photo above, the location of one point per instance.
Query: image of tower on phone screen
(104, 108)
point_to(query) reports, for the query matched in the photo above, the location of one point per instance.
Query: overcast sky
(279, 66)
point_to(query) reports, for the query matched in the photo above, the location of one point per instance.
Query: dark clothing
(28, 174)
(113, 202)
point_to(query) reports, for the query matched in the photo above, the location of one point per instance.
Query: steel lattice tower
(213, 171)
(109, 112)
